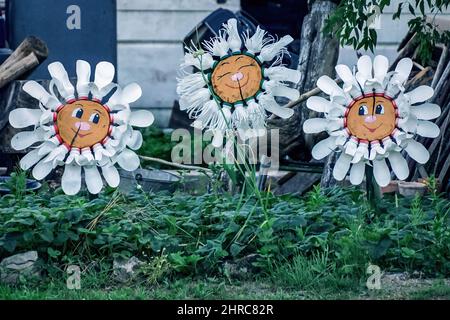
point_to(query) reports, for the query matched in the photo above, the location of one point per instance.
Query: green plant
(349, 23)
(196, 235)
(17, 183)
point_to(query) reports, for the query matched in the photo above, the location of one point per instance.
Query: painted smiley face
(236, 78)
(83, 124)
(372, 117)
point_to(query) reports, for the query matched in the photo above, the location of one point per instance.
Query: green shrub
(197, 234)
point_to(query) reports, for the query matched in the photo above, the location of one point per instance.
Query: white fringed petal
(25, 139)
(71, 179)
(330, 87)
(24, 117)
(316, 125)
(268, 102)
(122, 97)
(357, 173)
(420, 94)
(361, 153)
(345, 73)
(380, 68)
(283, 91)
(342, 166)
(399, 165)
(210, 116)
(318, 104)
(217, 46)
(203, 62)
(83, 78)
(351, 146)
(42, 169)
(409, 124)
(224, 119)
(128, 160)
(402, 71)
(234, 40)
(364, 70)
(269, 52)
(111, 175)
(38, 92)
(426, 111)
(217, 140)
(104, 76)
(135, 140)
(30, 159)
(190, 83)
(381, 172)
(255, 43)
(141, 118)
(191, 102)
(427, 129)
(280, 73)
(323, 148)
(93, 179)
(61, 79)
(417, 151)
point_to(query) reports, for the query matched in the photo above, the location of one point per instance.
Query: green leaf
(235, 249)
(53, 253)
(408, 252)
(46, 235)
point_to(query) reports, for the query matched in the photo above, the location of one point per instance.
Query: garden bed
(274, 246)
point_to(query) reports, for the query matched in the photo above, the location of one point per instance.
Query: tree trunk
(318, 56)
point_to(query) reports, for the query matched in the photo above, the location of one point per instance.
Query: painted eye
(379, 109)
(363, 110)
(77, 113)
(95, 118)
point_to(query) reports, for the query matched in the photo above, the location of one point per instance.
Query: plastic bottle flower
(371, 119)
(79, 129)
(234, 87)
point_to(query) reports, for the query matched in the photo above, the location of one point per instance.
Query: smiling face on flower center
(372, 117)
(83, 123)
(236, 78)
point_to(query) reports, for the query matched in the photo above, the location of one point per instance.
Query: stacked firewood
(30, 53)
(436, 75)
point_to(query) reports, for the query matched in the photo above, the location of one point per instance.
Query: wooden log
(442, 87)
(28, 55)
(440, 67)
(29, 45)
(18, 68)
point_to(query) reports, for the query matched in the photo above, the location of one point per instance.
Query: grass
(217, 288)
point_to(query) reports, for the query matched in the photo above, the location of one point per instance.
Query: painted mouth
(241, 85)
(374, 129)
(81, 135)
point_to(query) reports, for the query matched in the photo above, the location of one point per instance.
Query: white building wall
(150, 34)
